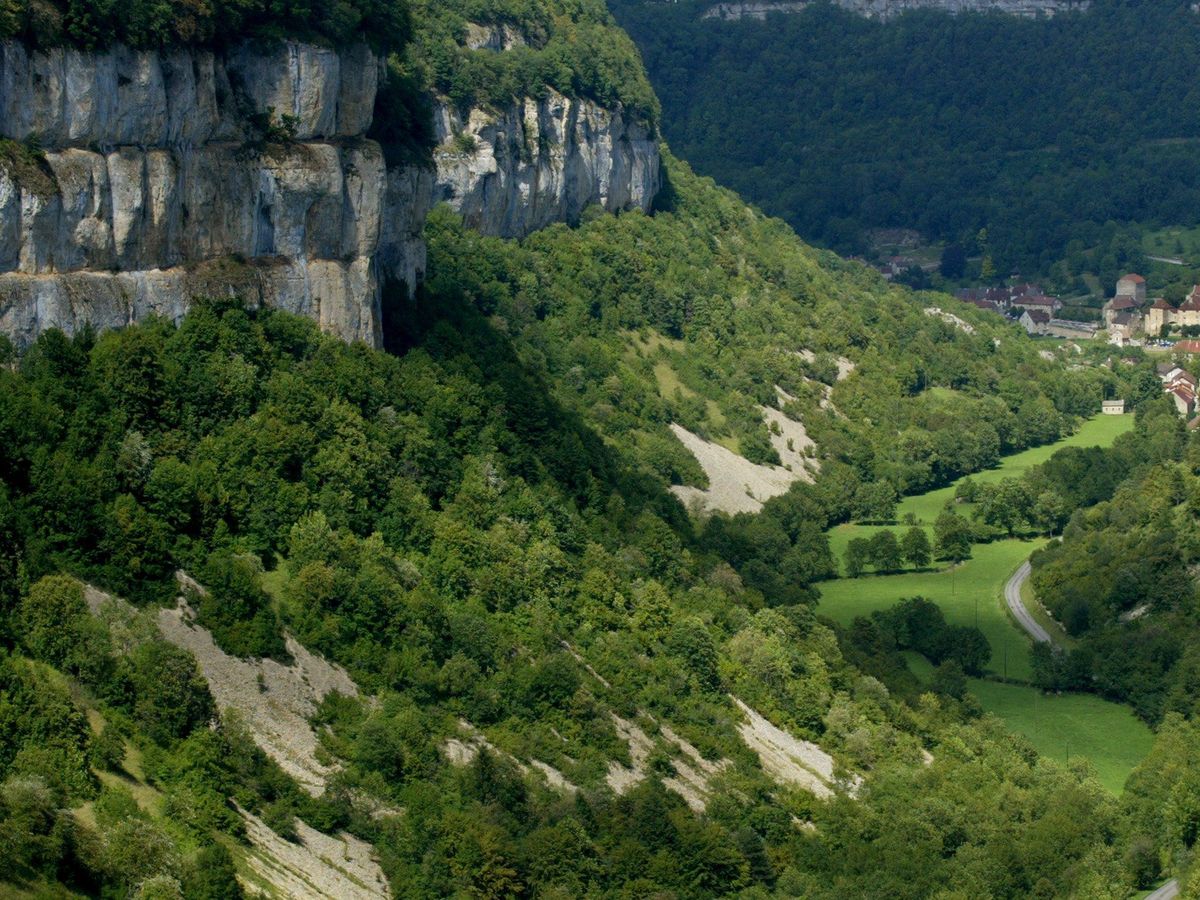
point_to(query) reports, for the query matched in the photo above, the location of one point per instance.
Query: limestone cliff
(887, 9)
(172, 175)
(148, 179)
(542, 161)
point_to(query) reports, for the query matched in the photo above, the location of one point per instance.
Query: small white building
(1112, 407)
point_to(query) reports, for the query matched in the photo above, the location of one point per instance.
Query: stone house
(1035, 321)
(1112, 407)
(1120, 306)
(1184, 400)
(1049, 305)
(1160, 313)
(1132, 285)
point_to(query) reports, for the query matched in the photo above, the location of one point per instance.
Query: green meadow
(970, 590)
(1097, 432)
(1068, 726)
(972, 593)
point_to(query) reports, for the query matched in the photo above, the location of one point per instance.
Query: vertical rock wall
(135, 182)
(515, 171)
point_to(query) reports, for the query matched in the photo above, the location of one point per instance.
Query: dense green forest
(477, 523)
(147, 24)
(441, 525)
(1039, 131)
(440, 519)
(1121, 582)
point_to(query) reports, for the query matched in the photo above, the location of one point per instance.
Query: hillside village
(1130, 318)
(1031, 306)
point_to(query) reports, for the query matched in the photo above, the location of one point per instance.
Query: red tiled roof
(1160, 303)
(1038, 315)
(1122, 301)
(1134, 277)
(1191, 345)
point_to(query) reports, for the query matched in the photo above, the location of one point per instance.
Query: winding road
(1012, 596)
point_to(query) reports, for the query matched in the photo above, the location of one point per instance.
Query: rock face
(161, 177)
(887, 9)
(543, 161)
(160, 184)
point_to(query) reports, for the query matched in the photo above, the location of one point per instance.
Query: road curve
(1168, 891)
(1012, 596)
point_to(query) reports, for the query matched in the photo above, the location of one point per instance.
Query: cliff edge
(132, 182)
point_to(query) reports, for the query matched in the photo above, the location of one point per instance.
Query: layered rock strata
(515, 171)
(134, 182)
(888, 9)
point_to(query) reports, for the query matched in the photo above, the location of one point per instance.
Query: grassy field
(970, 590)
(1106, 733)
(1097, 432)
(1173, 242)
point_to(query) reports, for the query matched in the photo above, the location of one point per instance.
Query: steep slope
(135, 180)
(557, 689)
(510, 662)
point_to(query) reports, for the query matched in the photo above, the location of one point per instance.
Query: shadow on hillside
(552, 440)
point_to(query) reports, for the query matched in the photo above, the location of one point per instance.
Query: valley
(418, 481)
(971, 593)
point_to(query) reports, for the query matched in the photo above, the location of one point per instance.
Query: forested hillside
(1121, 580)
(283, 613)
(1040, 131)
(441, 526)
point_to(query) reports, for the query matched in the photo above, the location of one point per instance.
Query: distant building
(1184, 400)
(1167, 371)
(1050, 305)
(1180, 385)
(1183, 379)
(1132, 285)
(1035, 321)
(1159, 314)
(1123, 307)
(1112, 407)
(1069, 328)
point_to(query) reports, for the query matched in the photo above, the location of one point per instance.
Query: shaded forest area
(1040, 131)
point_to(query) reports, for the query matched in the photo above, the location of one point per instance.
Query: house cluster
(1008, 300)
(1180, 385)
(1029, 304)
(1130, 312)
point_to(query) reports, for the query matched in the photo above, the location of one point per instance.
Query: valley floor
(971, 593)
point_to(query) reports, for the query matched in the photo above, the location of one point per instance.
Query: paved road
(1012, 595)
(1168, 891)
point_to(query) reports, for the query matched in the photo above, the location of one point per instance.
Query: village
(1129, 319)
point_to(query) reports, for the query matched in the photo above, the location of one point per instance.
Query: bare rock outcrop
(167, 176)
(151, 178)
(512, 172)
